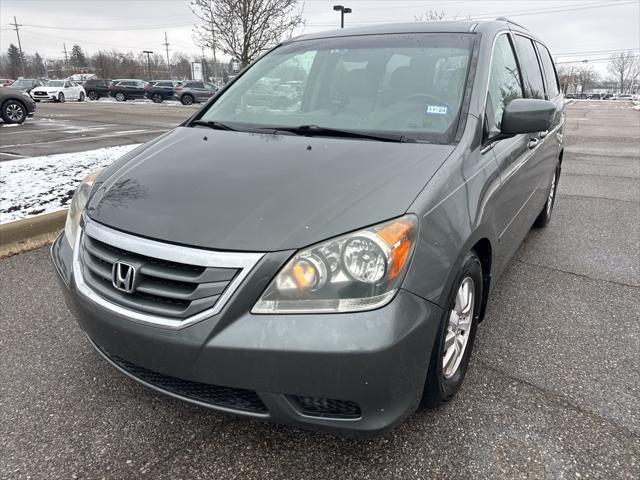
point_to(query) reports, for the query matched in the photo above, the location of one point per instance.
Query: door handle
(543, 134)
(533, 143)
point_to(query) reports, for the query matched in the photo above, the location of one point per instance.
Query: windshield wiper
(213, 124)
(316, 130)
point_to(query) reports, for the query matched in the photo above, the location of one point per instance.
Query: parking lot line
(108, 135)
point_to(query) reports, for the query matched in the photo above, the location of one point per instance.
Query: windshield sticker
(437, 109)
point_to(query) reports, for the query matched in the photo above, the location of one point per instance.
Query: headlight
(358, 271)
(78, 202)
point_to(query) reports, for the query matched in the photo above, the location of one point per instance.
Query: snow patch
(35, 185)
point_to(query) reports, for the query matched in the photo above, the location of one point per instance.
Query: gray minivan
(322, 256)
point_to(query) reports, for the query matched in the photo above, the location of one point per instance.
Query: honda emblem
(124, 277)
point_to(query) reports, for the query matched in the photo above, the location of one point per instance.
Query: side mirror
(527, 115)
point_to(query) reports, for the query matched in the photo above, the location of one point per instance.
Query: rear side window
(164, 84)
(504, 82)
(550, 76)
(533, 83)
(196, 85)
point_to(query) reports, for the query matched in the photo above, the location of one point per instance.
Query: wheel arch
(485, 253)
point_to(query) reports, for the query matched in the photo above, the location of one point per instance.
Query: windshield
(22, 83)
(55, 83)
(408, 84)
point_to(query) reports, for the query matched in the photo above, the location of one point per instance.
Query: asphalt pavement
(79, 126)
(553, 389)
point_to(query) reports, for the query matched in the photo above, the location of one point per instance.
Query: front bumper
(355, 373)
(46, 96)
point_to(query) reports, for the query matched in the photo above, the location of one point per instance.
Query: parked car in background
(161, 90)
(127, 89)
(27, 84)
(594, 96)
(194, 92)
(59, 91)
(607, 96)
(326, 263)
(15, 105)
(96, 88)
(623, 96)
(5, 82)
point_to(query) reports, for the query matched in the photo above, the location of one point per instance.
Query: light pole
(343, 10)
(148, 52)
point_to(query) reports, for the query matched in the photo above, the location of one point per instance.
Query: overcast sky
(574, 30)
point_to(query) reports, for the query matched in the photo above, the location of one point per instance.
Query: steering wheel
(401, 113)
(417, 96)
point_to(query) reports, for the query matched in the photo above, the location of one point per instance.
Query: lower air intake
(214, 395)
(326, 407)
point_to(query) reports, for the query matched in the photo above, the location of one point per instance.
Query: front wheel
(61, 98)
(157, 98)
(13, 111)
(545, 215)
(81, 97)
(457, 332)
(93, 95)
(120, 97)
(187, 99)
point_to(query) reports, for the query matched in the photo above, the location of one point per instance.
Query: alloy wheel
(458, 328)
(14, 112)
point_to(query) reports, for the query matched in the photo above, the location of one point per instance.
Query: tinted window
(164, 84)
(504, 82)
(411, 84)
(196, 85)
(551, 79)
(533, 84)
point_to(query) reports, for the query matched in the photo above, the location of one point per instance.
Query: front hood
(257, 192)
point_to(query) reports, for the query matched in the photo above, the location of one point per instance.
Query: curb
(29, 233)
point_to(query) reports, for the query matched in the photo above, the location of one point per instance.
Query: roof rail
(505, 19)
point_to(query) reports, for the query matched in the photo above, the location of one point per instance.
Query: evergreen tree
(38, 66)
(15, 65)
(77, 57)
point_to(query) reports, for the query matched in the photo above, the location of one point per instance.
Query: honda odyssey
(317, 244)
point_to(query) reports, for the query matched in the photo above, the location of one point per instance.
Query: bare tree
(244, 28)
(431, 16)
(625, 67)
(586, 76)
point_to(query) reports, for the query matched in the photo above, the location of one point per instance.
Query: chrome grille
(174, 285)
(164, 288)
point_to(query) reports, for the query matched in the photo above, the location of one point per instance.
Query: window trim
(511, 40)
(535, 50)
(539, 44)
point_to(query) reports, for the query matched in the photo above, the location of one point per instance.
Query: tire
(81, 97)
(120, 97)
(187, 99)
(13, 111)
(157, 98)
(545, 215)
(445, 378)
(61, 98)
(93, 95)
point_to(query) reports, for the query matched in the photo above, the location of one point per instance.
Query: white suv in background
(59, 91)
